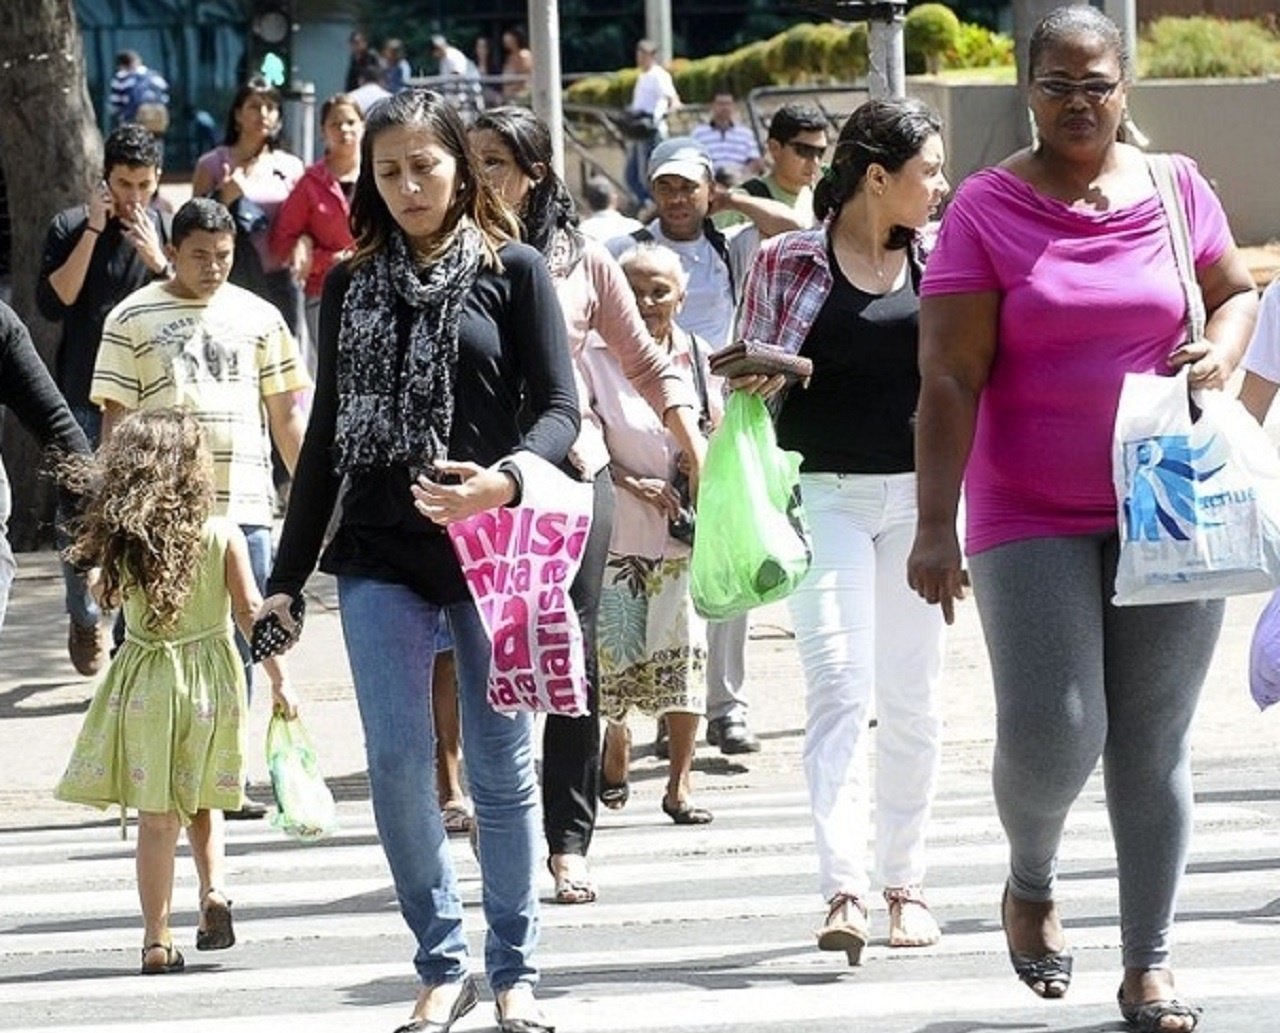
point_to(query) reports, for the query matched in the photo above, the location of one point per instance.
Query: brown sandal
(218, 933)
(173, 960)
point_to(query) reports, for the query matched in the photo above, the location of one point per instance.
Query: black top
(27, 388)
(115, 271)
(511, 352)
(857, 414)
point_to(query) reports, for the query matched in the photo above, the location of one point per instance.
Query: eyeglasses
(1096, 91)
(812, 152)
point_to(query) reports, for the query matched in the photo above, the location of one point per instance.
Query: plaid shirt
(786, 289)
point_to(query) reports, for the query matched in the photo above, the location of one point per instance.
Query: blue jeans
(637, 172)
(75, 589)
(259, 541)
(390, 634)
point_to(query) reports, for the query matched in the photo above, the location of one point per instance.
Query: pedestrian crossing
(696, 929)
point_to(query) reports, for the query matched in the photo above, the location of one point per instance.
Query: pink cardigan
(597, 300)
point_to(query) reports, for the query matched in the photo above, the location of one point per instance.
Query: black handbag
(637, 125)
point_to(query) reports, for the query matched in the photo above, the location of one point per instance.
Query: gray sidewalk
(42, 701)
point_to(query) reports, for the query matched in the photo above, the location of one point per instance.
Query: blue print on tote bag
(1164, 500)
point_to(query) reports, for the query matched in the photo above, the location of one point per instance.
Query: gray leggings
(1077, 679)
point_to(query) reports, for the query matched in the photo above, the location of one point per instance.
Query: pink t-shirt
(1085, 297)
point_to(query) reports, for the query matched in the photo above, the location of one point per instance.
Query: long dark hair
(256, 85)
(372, 224)
(548, 206)
(888, 133)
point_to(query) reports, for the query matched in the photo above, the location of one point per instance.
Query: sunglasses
(807, 150)
(1097, 91)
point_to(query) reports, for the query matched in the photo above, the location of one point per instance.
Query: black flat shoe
(1149, 1017)
(1048, 975)
(468, 998)
(686, 814)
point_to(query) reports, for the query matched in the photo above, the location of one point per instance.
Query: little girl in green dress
(165, 733)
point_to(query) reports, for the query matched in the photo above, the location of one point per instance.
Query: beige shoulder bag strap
(1162, 171)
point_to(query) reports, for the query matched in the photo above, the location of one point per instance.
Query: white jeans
(861, 629)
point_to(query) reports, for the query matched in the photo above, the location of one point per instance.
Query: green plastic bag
(752, 544)
(304, 806)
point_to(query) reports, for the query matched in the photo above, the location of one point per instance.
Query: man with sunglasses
(797, 143)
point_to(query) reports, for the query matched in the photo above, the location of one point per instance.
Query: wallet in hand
(746, 358)
(269, 635)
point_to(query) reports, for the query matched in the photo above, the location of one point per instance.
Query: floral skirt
(165, 732)
(652, 646)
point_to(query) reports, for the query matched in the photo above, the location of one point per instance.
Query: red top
(318, 208)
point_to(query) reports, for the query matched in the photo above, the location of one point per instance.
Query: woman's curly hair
(147, 493)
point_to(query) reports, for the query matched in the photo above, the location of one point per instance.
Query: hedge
(1207, 48)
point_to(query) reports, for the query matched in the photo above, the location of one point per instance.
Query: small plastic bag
(304, 806)
(1264, 656)
(752, 545)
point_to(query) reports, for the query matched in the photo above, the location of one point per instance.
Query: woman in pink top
(514, 148)
(1053, 276)
(312, 230)
(252, 176)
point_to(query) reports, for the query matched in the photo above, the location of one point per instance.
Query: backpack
(149, 99)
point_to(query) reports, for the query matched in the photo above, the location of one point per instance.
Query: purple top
(1085, 297)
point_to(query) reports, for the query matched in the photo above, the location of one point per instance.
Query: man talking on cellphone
(95, 255)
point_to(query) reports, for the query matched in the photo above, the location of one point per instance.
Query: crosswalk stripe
(664, 894)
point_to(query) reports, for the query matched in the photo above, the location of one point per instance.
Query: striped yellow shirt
(218, 356)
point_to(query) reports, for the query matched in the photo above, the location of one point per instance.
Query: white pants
(860, 629)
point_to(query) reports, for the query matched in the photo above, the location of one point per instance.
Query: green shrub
(1207, 48)
(748, 67)
(979, 47)
(848, 56)
(931, 32)
(592, 90)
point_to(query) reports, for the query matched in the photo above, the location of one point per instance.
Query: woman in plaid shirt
(846, 295)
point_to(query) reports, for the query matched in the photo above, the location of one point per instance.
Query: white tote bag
(1198, 495)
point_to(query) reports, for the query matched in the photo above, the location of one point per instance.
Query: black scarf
(392, 413)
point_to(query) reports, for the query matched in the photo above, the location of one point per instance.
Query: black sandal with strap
(173, 960)
(1149, 1017)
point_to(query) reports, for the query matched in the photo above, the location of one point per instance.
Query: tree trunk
(51, 153)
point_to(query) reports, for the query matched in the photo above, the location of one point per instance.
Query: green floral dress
(165, 730)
